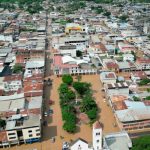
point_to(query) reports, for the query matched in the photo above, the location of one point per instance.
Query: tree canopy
(17, 68)
(67, 79)
(142, 143)
(81, 87)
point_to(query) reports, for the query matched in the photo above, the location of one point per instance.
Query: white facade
(12, 136)
(31, 133)
(12, 85)
(118, 91)
(128, 57)
(97, 138)
(80, 145)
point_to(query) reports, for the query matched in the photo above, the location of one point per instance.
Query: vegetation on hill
(32, 6)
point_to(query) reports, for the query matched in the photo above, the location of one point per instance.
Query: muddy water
(54, 128)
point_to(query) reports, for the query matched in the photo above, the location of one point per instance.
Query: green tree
(17, 68)
(67, 79)
(142, 143)
(147, 98)
(92, 114)
(69, 127)
(2, 123)
(63, 88)
(81, 87)
(107, 13)
(144, 81)
(124, 18)
(78, 53)
(87, 103)
(135, 98)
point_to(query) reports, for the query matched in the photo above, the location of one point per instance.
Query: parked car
(51, 102)
(45, 114)
(49, 82)
(65, 145)
(45, 123)
(50, 111)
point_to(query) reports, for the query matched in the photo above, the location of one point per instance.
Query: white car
(45, 114)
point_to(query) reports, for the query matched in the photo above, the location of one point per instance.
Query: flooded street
(54, 128)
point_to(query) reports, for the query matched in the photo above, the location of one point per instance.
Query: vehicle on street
(65, 146)
(50, 111)
(51, 102)
(45, 114)
(45, 123)
(49, 82)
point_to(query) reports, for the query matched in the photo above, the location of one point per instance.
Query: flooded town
(75, 75)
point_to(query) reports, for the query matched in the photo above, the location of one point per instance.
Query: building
(128, 57)
(121, 88)
(136, 116)
(74, 28)
(138, 76)
(81, 42)
(80, 144)
(112, 141)
(68, 65)
(12, 83)
(108, 77)
(23, 128)
(143, 64)
(115, 141)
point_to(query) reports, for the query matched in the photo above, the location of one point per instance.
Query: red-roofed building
(3, 139)
(33, 89)
(68, 65)
(143, 63)
(138, 76)
(112, 66)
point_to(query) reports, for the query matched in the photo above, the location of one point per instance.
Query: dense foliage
(69, 104)
(82, 87)
(144, 81)
(67, 79)
(17, 68)
(2, 123)
(142, 143)
(32, 6)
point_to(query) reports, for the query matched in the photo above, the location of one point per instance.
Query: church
(111, 141)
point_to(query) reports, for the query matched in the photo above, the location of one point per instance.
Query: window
(12, 137)
(98, 133)
(97, 141)
(11, 133)
(37, 130)
(30, 135)
(29, 131)
(38, 134)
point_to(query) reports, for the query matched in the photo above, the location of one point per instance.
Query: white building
(128, 57)
(81, 42)
(23, 128)
(81, 144)
(108, 77)
(121, 88)
(12, 83)
(97, 136)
